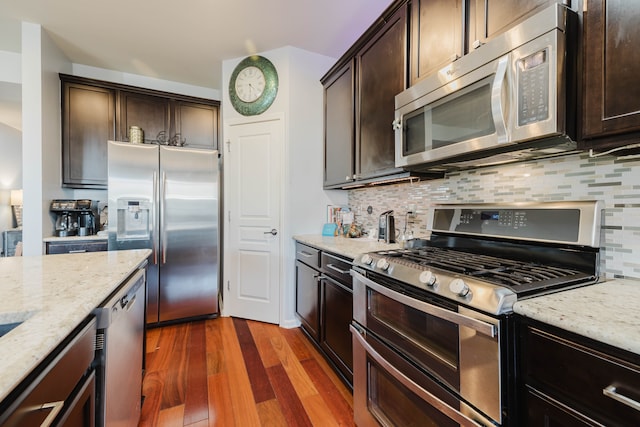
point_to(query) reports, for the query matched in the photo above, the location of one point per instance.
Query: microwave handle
(497, 109)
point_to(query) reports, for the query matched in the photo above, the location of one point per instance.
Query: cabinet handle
(612, 392)
(334, 268)
(396, 124)
(305, 254)
(54, 407)
(78, 251)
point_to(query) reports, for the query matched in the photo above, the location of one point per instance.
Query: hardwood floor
(234, 372)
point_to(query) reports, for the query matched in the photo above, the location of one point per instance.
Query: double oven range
(433, 331)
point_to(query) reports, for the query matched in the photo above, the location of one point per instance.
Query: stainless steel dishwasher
(120, 346)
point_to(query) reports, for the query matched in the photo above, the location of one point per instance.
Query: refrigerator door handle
(163, 239)
(154, 199)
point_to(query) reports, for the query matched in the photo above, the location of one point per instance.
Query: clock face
(250, 84)
(253, 85)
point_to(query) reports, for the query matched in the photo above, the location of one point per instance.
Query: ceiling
(186, 41)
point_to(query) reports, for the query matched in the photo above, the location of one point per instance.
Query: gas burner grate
(510, 273)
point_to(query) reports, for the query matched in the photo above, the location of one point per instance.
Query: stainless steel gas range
(433, 332)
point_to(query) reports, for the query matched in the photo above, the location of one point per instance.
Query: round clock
(253, 85)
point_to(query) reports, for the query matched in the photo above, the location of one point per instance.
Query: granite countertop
(345, 246)
(52, 294)
(607, 312)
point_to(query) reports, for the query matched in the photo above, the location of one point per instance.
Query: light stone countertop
(608, 312)
(345, 246)
(52, 294)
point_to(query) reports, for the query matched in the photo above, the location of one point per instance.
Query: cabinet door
(307, 297)
(337, 313)
(88, 122)
(490, 18)
(611, 68)
(381, 66)
(151, 113)
(338, 127)
(197, 124)
(436, 35)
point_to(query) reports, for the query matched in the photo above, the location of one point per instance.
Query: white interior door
(253, 182)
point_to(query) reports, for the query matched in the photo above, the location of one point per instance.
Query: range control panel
(555, 225)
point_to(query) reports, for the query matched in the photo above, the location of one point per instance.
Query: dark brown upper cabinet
(436, 35)
(150, 113)
(490, 18)
(339, 135)
(359, 96)
(196, 123)
(381, 69)
(611, 97)
(88, 122)
(94, 112)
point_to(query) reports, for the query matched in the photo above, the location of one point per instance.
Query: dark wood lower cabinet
(324, 305)
(568, 380)
(337, 313)
(79, 246)
(307, 299)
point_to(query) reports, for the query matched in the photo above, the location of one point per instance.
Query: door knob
(273, 232)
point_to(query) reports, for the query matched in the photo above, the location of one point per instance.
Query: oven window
(428, 340)
(393, 404)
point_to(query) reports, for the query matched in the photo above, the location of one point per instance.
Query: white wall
(42, 60)
(300, 99)
(145, 82)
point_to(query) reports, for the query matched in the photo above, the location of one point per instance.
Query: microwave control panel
(533, 87)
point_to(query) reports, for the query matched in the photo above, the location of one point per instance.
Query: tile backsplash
(616, 181)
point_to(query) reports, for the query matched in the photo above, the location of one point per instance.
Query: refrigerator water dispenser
(133, 219)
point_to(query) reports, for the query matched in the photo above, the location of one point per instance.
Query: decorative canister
(136, 135)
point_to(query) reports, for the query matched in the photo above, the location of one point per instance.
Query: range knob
(382, 264)
(366, 259)
(427, 278)
(457, 286)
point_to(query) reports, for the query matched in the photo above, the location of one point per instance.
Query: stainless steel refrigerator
(166, 199)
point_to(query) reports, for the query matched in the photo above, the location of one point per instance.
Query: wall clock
(253, 85)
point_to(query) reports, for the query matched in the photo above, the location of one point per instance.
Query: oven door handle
(441, 313)
(441, 406)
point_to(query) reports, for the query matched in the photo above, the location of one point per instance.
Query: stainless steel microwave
(511, 99)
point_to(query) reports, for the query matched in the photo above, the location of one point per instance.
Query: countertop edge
(605, 312)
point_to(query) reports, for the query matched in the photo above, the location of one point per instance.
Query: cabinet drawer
(308, 255)
(587, 380)
(76, 247)
(51, 390)
(338, 268)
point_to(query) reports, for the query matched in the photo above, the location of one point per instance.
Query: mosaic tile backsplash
(616, 181)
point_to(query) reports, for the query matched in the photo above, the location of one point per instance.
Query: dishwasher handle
(123, 299)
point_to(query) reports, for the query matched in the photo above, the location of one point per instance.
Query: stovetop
(488, 257)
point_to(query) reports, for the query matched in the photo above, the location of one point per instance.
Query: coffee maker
(73, 217)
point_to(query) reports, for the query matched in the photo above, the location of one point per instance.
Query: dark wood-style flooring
(235, 372)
